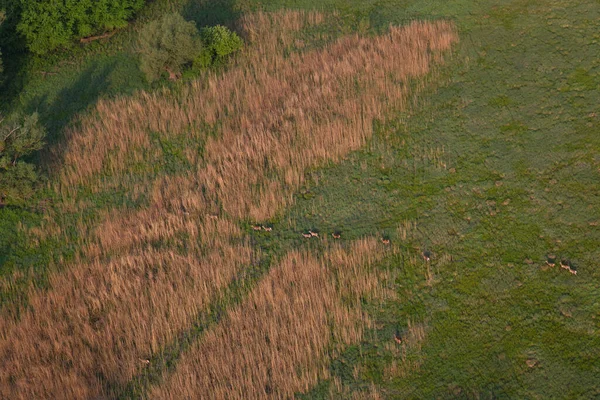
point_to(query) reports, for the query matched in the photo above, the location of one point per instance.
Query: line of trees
(166, 44)
(47, 25)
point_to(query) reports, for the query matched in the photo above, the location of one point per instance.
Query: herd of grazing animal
(311, 234)
(426, 255)
(564, 264)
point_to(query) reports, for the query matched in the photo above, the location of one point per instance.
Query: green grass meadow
(497, 163)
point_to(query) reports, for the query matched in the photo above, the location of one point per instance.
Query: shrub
(18, 138)
(167, 45)
(52, 24)
(218, 42)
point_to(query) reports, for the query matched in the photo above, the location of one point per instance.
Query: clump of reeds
(279, 341)
(275, 117)
(101, 317)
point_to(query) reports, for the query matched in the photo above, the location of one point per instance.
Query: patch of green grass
(520, 139)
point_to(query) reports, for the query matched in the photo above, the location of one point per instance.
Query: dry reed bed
(280, 340)
(277, 117)
(102, 318)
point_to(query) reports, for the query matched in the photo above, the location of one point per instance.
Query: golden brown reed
(151, 271)
(279, 341)
(101, 318)
(276, 116)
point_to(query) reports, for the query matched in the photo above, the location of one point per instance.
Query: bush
(18, 139)
(218, 42)
(167, 45)
(51, 24)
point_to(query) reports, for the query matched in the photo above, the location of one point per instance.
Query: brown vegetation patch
(280, 340)
(102, 317)
(277, 115)
(145, 275)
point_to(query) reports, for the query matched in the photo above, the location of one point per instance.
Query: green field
(497, 163)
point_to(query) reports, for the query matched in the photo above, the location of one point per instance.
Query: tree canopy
(167, 45)
(51, 24)
(19, 138)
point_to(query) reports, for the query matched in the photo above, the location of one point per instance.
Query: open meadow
(366, 202)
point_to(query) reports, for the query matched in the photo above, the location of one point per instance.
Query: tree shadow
(75, 92)
(13, 79)
(212, 12)
(57, 111)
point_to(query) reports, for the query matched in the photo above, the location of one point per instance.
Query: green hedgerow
(51, 24)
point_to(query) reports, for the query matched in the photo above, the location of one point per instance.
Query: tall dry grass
(276, 115)
(146, 274)
(280, 340)
(103, 317)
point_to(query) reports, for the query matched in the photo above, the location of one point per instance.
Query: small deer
(426, 255)
(256, 227)
(397, 338)
(307, 235)
(336, 235)
(385, 241)
(313, 234)
(267, 228)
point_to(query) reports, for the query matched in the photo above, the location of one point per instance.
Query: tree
(51, 24)
(218, 42)
(167, 45)
(18, 139)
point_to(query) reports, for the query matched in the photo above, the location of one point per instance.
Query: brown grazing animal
(426, 255)
(398, 338)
